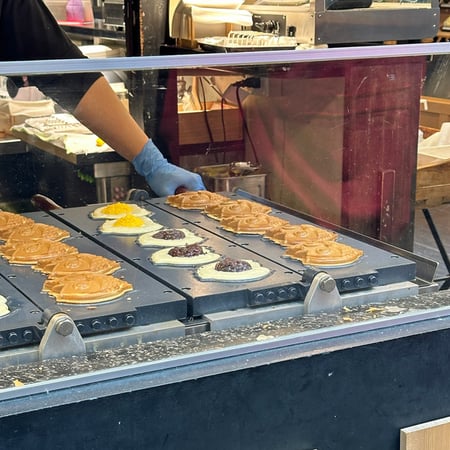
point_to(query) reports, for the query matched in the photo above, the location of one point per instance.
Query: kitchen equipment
(241, 41)
(113, 13)
(236, 175)
(173, 301)
(23, 288)
(242, 168)
(191, 20)
(315, 23)
(339, 21)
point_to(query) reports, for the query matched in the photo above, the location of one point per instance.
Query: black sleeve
(28, 31)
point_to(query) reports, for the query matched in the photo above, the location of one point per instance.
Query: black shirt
(28, 31)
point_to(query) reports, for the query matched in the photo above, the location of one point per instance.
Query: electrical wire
(244, 122)
(222, 115)
(222, 104)
(252, 82)
(205, 115)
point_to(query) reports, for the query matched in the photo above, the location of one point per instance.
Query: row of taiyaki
(72, 277)
(310, 244)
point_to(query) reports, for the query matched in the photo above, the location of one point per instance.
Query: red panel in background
(366, 140)
(380, 148)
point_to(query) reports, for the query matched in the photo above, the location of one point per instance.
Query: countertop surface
(431, 307)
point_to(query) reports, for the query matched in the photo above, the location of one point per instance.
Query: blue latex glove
(162, 177)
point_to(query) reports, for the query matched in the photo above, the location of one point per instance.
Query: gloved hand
(162, 177)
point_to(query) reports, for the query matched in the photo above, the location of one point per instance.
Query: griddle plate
(203, 297)
(148, 303)
(378, 267)
(164, 293)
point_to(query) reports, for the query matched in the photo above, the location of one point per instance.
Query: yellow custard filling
(117, 208)
(129, 221)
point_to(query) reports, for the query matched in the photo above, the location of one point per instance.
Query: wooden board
(432, 182)
(194, 126)
(433, 173)
(434, 435)
(434, 112)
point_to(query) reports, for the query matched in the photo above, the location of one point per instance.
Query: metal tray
(227, 49)
(149, 302)
(246, 41)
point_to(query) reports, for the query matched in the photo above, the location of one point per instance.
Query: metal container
(330, 22)
(222, 178)
(112, 180)
(113, 12)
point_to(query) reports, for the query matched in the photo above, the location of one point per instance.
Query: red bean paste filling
(187, 251)
(168, 235)
(232, 265)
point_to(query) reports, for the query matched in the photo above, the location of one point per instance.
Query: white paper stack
(438, 144)
(64, 131)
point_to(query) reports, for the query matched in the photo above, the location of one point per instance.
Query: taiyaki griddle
(149, 302)
(377, 267)
(203, 296)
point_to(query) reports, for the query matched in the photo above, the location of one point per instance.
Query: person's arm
(104, 114)
(32, 33)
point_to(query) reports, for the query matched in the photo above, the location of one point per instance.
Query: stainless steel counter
(109, 171)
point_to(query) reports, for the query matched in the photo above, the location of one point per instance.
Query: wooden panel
(433, 195)
(434, 112)
(433, 178)
(194, 126)
(380, 96)
(433, 175)
(434, 435)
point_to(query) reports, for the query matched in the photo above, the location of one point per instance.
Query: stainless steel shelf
(92, 31)
(12, 146)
